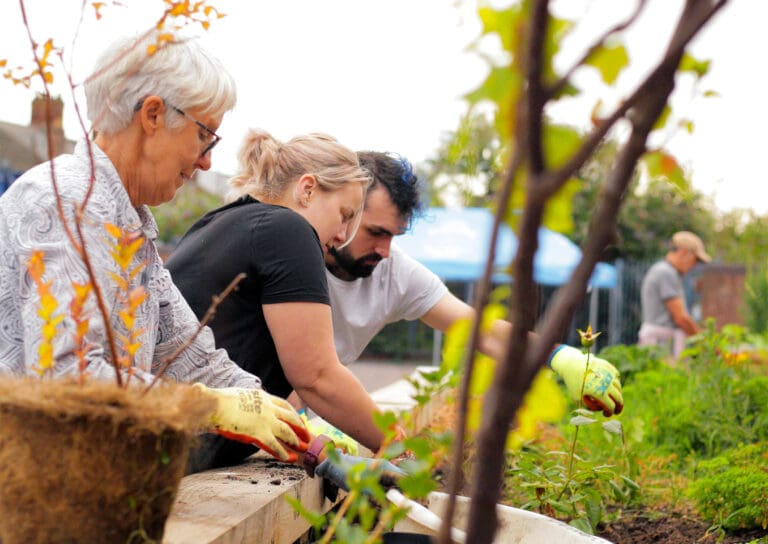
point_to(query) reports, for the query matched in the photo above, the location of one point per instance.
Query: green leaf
(687, 125)
(385, 420)
(662, 120)
(503, 22)
(315, 519)
(690, 64)
(631, 483)
(613, 426)
(560, 142)
(618, 492)
(582, 524)
(660, 164)
(581, 420)
(609, 61)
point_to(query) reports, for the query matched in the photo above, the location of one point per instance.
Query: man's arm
(681, 317)
(449, 309)
(601, 387)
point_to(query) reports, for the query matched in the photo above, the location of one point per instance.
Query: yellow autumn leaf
(136, 297)
(82, 328)
(45, 351)
(127, 318)
(113, 230)
(82, 290)
(543, 403)
(132, 348)
(119, 280)
(138, 268)
(177, 9)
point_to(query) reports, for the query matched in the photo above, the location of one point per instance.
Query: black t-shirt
(282, 258)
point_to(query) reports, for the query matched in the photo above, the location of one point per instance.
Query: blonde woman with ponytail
(290, 203)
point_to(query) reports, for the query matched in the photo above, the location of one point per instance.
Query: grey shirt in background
(661, 283)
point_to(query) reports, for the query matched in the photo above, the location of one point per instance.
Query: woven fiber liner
(92, 463)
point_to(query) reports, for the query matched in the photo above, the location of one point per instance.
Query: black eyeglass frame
(216, 138)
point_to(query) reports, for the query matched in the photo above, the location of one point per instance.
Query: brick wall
(721, 288)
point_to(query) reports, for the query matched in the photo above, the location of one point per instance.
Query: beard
(358, 268)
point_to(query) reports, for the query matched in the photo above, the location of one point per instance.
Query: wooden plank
(244, 504)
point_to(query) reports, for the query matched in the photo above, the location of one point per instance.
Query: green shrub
(732, 489)
(703, 408)
(188, 205)
(756, 299)
(631, 359)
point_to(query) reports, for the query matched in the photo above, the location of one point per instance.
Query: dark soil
(642, 528)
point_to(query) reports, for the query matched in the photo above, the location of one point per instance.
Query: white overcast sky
(389, 74)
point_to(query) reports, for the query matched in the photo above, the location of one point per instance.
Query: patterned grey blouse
(29, 222)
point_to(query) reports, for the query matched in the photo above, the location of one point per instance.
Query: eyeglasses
(212, 139)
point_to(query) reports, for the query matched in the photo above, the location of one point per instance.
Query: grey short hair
(179, 71)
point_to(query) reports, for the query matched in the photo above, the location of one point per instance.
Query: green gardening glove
(318, 426)
(602, 387)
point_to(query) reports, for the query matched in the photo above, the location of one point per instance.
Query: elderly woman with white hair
(154, 119)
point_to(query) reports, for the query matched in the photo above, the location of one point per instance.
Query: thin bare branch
(535, 96)
(694, 16)
(560, 84)
(209, 314)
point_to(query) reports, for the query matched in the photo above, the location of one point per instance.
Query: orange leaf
(668, 164)
(127, 318)
(132, 348)
(113, 230)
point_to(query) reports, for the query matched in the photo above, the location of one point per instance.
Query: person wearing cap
(666, 320)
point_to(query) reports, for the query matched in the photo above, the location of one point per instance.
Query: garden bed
(646, 527)
(687, 465)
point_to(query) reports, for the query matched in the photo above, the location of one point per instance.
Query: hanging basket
(94, 462)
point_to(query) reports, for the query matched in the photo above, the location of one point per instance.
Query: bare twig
(209, 314)
(558, 86)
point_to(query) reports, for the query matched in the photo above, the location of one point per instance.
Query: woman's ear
(152, 114)
(305, 187)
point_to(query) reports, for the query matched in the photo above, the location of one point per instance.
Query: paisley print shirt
(30, 222)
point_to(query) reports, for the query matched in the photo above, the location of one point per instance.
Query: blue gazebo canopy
(454, 243)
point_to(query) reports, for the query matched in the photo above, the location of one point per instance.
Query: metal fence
(615, 312)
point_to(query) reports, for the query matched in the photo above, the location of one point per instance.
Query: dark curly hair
(396, 174)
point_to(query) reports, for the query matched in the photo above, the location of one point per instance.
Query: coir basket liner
(94, 462)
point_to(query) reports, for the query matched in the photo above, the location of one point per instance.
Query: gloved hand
(602, 387)
(256, 417)
(318, 426)
(336, 469)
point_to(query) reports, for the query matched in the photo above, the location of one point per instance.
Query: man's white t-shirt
(399, 288)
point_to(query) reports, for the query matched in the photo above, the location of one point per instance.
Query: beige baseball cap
(687, 240)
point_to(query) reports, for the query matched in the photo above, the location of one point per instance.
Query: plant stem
(572, 450)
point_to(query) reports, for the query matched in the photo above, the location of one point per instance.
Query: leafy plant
(731, 490)
(631, 359)
(174, 218)
(756, 299)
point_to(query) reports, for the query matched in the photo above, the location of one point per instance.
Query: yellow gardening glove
(319, 426)
(255, 417)
(602, 387)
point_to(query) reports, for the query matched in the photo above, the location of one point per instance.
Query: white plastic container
(516, 526)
